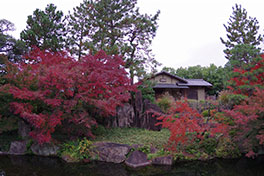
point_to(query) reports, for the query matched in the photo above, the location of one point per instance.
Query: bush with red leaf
(246, 80)
(249, 115)
(52, 87)
(186, 125)
(249, 122)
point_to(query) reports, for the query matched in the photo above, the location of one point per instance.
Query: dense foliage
(116, 27)
(45, 29)
(249, 122)
(213, 74)
(246, 79)
(186, 126)
(242, 38)
(248, 115)
(53, 87)
(9, 46)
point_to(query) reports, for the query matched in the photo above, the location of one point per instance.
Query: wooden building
(179, 87)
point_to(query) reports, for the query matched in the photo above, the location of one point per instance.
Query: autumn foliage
(186, 125)
(53, 87)
(249, 77)
(249, 115)
(249, 120)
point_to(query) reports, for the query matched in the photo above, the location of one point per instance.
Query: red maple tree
(249, 116)
(249, 122)
(51, 87)
(246, 80)
(186, 125)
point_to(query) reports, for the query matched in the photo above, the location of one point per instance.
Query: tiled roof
(185, 83)
(169, 74)
(170, 86)
(196, 82)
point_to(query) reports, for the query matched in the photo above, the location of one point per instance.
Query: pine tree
(79, 29)
(45, 29)
(9, 46)
(242, 44)
(116, 27)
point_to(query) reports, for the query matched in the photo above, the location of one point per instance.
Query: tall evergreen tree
(80, 29)
(45, 29)
(243, 40)
(9, 46)
(116, 27)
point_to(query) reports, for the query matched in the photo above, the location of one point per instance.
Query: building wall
(164, 79)
(197, 93)
(201, 93)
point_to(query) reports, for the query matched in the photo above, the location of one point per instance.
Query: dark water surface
(43, 166)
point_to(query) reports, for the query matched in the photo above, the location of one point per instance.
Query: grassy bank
(135, 136)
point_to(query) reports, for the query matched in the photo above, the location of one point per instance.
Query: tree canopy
(53, 87)
(243, 40)
(213, 74)
(9, 46)
(45, 29)
(116, 27)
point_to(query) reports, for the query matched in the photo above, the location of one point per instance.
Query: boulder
(111, 152)
(4, 153)
(125, 116)
(23, 129)
(137, 159)
(18, 148)
(149, 118)
(2, 173)
(44, 149)
(138, 109)
(164, 160)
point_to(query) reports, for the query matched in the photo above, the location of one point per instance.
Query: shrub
(53, 87)
(165, 102)
(208, 145)
(203, 105)
(159, 153)
(98, 130)
(209, 113)
(228, 99)
(78, 150)
(249, 122)
(226, 148)
(8, 121)
(147, 91)
(186, 126)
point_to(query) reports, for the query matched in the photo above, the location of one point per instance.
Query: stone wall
(142, 115)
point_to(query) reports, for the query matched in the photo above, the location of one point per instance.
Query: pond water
(43, 166)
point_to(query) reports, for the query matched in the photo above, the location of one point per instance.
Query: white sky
(189, 30)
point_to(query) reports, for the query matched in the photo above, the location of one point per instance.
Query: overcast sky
(189, 30)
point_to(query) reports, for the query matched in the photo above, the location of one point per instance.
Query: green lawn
(117, 135)
(135, 136)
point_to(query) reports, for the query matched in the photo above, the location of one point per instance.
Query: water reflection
(43, 166)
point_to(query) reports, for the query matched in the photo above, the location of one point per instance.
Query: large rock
(142, 115)
(125, 116)
(23, 129)
(111, 152)
(2, 173)
(137, 159)
(149, 118)
(164, 160)
(138, 109)
(18, 148)
(44, 149)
